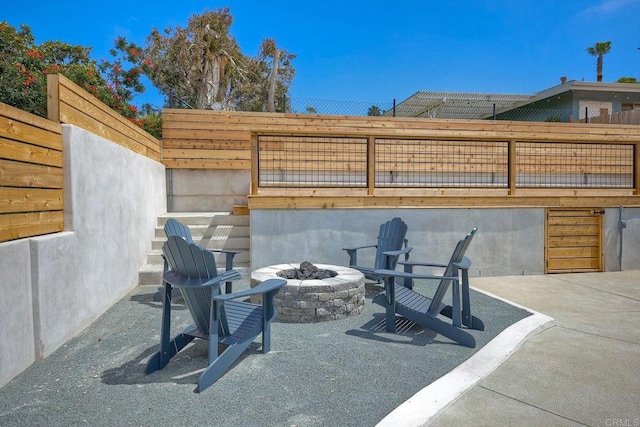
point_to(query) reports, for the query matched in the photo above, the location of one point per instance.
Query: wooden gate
(573, 240)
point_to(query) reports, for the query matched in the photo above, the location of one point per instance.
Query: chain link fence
(455, 108)
(447, 109)
(339, 108)
(448, 106)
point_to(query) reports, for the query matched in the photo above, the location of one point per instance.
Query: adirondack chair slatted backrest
(390, 238)
(188, 259)
(451, 269)
(176, 228)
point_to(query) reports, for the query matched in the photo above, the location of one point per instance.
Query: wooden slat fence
(301, 154)
(69, 103)
(31, 178)
(629, 117)
(202, 139)
(31, 167)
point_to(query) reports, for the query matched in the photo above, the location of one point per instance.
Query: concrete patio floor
(583, 371)
(352, 373)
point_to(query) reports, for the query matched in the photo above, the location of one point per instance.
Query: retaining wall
(55, 285)
(509, 241)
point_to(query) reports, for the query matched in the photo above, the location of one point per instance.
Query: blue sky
(379, 51)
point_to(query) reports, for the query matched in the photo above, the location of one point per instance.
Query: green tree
(204, 66)
(267, 80)
(374, 110)
(281, 72)
(599, 49)
(627, 80)
(198, 63)
(24, 66)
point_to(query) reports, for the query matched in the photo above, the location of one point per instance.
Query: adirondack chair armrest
(391, 257)
(399, 252)
(465, 264)
(407, 275)
(355, 248)
(262, 288)
(353, 252)
(179, 281)
(228, 257)
(421, 264)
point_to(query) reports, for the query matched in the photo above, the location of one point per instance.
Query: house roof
(593, 87)
(461, 105)
(455, 105)
(626, 92)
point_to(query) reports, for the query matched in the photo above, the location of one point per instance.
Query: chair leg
(453, 333)
(266, 337)
(219, 366)
(160, 359)
(168, 347)
(468, 319)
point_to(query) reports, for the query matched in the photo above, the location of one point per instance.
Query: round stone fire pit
(315, 300)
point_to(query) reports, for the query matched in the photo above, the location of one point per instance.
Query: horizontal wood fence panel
(30, 199)
(574, 265)
(418, 157)
(18, 174)
(28, 224)
(574, 252)
(406, 167)
(31, 175)
(79, 108)
(577, 229)
(24, 152)
(569, 241)
(214, 133)
(27, 128)
(194, 130)
(573, 240)
(208, 154)
(209, 144)
(310, 167)
(570, 220)
(207, 164)
(203, 119)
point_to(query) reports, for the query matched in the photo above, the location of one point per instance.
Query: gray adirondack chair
(219, 318)
(174, 227)
(401, 299)
(391, 244)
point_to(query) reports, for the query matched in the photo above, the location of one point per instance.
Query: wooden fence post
(254, 164)
(53, 97)
(511, 166)
(371, 165)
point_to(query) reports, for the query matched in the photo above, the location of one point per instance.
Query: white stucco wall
(17, 349)
(622, 246)
(112, 200)
(279, 236)
(508, 241)
(202, 190)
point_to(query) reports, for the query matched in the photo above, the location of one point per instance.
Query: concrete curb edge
(428, 404)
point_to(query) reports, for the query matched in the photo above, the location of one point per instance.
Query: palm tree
(600, 49)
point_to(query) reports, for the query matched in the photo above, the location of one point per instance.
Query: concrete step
(231, 243)
(205, 218)
(212, 230)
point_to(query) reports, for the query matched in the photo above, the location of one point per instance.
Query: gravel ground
(338, 373)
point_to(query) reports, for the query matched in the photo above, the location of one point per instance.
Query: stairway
(213, 230)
